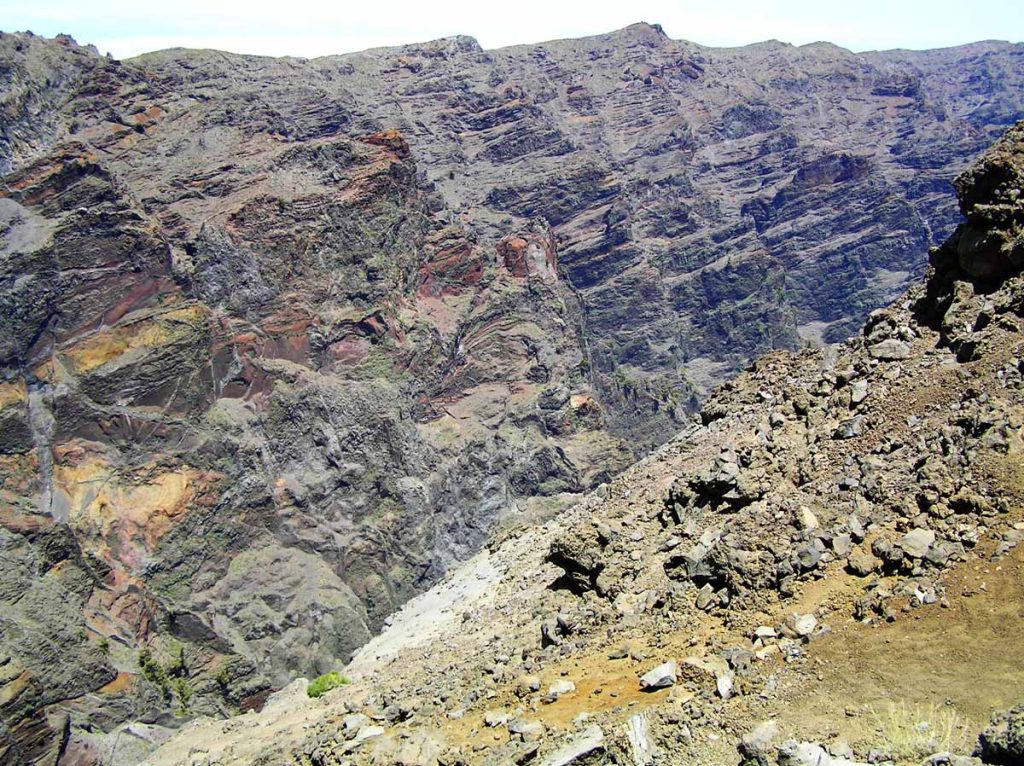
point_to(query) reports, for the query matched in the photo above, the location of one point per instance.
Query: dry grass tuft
(910, 733)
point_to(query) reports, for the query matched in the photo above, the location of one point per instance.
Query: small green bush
(325, 683)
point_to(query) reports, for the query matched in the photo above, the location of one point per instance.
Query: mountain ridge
(344, 321)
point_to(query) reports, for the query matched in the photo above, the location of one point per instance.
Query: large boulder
(1003, 741)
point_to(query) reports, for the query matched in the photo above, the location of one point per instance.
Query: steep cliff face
(830, 557)
(285, 338)
(708, 204)
(256, 393)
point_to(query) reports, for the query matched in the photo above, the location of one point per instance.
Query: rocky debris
(1002, 741)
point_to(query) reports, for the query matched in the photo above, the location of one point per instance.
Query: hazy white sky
(319, 27)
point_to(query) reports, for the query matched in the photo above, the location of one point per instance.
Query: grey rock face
(328, 313)
(1002, 742)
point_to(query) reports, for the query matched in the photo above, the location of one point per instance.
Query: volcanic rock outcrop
(285, 339)
(825, 567)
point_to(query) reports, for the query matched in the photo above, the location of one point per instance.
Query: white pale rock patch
(639, 736)
(802, 624)
(494, 718)
(560, 688)
(724, 685)
(660, 677)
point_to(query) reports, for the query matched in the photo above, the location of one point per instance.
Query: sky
(311, 28)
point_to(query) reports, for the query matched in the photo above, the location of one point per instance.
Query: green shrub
(154, 672)
(183, 690)
(325, 683)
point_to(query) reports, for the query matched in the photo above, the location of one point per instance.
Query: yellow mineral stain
(143, 507)
(105, 346)
(12, 394)
(12, 689)
(121, 682)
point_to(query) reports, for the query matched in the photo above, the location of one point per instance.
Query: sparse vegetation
(325, 683)
(183, 691)
(154, 672)
(161, 675)
(909, 733)
(223, 678)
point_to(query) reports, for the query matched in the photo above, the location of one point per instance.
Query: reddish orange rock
(529, 254)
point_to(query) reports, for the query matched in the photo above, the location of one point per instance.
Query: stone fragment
(842, 545)
(806, 519)
(849, 428)
(641, 745)
(724, 685)
(858, 391)
(756, 746)
(856, 528)
(352, 724)
(890, 349)
(527, 730)
(705, 596)
(917, 542)
(801, 625)
(588, 742)
(809, 555)
(793, 753)
(367, 732)
(558, 689)
(861, 562)
(494, 718)
(526, 685)
(659, 677)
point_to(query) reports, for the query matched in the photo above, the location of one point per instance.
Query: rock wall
(284, 339)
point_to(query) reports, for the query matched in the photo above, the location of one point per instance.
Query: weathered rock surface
(719, 552)
(286, 339)
(1002, 742)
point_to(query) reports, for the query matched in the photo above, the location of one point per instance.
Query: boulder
(589, 741)
(890, 349)
(1002, 742)
(660, 677)
(917, 542)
